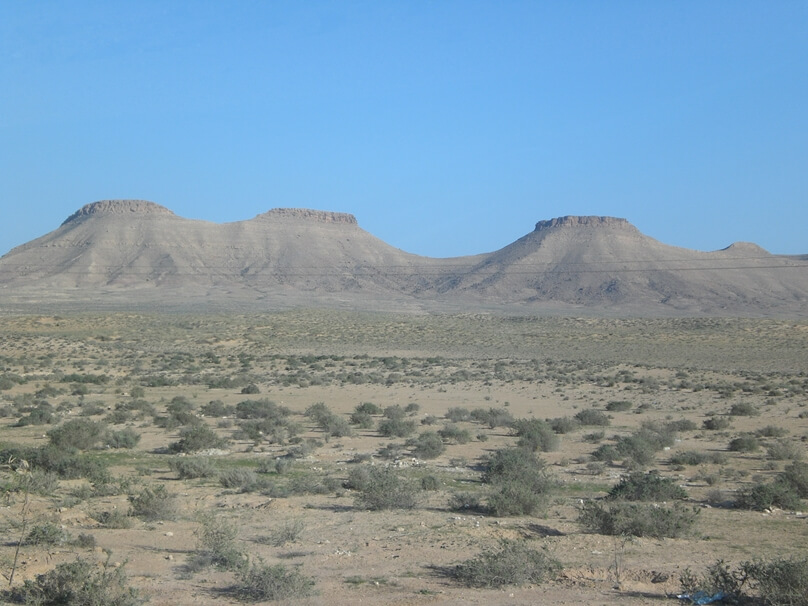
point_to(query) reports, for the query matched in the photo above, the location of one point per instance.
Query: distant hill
(133, 253)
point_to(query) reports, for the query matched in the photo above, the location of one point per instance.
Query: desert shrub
(681, 425)
(76, 433)
(744, 443)
(782, 450)
(796, 475)
(639, 486)
(427, 445)
(412, 408)
(716, 423)
(363, 420)
(513, 563)
(267, 409)
(125, 438)
(84, 541)
(620, 518)
(217, 408)
(238, 479)
(458, 414)
(618, 405)
(592, 417)
(394, 412)
(564, 424)
(399, 428)
(79, 583)
(368, 408)
(250, 389)
(334, 426)
(152, 504)
(493, 417)
(535, 435)
(43, 414)
(777, 493)
(260, 582)
(359, 477)
(113, 519)
(384, 489)
(46, 534)
(391, 451)
(216, 544)
(780, 581)
(521, 484)
(430, 483)
(188, 468)
(692, 457)
(771, 431)
(467, 502)
(594, 437)
(452, 433)
(196, 438)
(718, 578)
(743, 409)
(288, 532)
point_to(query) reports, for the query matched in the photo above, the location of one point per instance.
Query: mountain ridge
(141, 253)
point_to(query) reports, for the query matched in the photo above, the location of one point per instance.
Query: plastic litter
(702, 597)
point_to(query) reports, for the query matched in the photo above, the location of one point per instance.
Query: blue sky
(448, 128)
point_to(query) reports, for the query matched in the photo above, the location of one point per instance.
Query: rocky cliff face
(583, 221)
(119, 207)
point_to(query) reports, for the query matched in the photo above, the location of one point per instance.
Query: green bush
(778, 493)
(363, 420)
(398, 428)
(520, 482)
(458, 415)
(796, 475)
(781, 581)
(782, 450)
(125, 438)
(77, 433)
(620, 518)
(513, 563)
(777, 582)
(427, 445)
(46, 534)
(564, 424)
(618, 406)
(196, 438)
(384, 489)
(743, 409)
(650, 486)
(79, 583)
(216, 544)
(452, 433)
(692, 457)
(260, 582)
(535, 435)
(188, 468)
(368, 408)
(592, 417)
(153, 504)
(744, 443)
(716, 423)
(238, 479)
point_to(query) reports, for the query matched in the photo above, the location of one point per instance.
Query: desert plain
(290, 410)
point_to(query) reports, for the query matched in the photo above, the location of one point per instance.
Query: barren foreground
(263, 427)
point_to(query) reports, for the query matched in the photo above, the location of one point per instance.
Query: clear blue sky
(448, 128)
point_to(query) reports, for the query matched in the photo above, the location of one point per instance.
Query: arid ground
(296, 402)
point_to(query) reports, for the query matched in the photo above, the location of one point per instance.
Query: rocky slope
(132, 252)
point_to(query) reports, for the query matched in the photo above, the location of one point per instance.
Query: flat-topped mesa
(119, 207)
(576, 221)
(306, 214)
